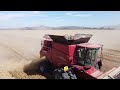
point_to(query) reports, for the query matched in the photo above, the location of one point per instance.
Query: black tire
(57, 74)
(60, 74)
(44, 67)
(72, 75)
(65, 75)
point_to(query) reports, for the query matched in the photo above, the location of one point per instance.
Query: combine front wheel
(60, 74)
(72, 75)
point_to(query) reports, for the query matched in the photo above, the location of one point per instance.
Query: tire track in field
(25, 47)
(18, 74)
(13, 51)
(13, 60)
(112, 55)
(108, 58)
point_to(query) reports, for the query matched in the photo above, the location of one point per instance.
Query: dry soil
(19, 50)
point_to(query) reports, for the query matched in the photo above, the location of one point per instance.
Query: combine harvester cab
(72, 57)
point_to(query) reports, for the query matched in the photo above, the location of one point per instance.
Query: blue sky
(58, 18)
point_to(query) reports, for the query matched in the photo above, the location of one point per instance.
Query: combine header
(72, 57)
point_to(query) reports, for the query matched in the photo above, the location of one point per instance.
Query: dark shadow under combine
(33, 68)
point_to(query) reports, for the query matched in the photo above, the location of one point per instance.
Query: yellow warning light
(66, 68)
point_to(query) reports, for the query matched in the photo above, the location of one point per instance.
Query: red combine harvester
(72, 57)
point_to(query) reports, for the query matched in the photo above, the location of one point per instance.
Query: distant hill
(42, 27)
(62, 28)
(115, 27)
(36, 28)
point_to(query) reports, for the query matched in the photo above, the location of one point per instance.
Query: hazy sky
(58, 18)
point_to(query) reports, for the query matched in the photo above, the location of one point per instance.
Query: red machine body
(62, 54)
(59, 54)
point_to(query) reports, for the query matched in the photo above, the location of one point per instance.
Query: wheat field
(20, 48)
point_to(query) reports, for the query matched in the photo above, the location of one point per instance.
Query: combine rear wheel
(44, 67)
